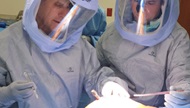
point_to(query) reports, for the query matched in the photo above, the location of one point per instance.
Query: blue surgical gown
(147, 69)
(59, 76)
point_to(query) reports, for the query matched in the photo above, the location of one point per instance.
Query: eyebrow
(63, 3)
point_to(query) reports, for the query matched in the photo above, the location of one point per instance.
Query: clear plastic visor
(58, 19)
(142, 16)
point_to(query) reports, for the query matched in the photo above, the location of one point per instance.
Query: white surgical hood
(162, 26)
(70, 28)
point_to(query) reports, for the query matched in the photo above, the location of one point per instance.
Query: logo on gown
(70, 69)
(152, 54)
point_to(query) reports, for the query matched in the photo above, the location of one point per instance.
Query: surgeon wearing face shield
(44, 62)
(148, 48)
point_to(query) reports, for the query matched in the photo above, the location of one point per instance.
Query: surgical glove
(179, 96)
(111, 88)
(16, 91)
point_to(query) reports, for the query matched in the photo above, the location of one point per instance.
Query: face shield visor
(146, 22)
(142, 17)
(52, 23)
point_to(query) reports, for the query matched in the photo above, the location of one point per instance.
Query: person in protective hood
(148, 48)
(44, 62)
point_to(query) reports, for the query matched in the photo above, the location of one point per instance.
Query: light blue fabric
(75, 27)
(59, 77)
(172, 13)
(95, 26)
(148, 69)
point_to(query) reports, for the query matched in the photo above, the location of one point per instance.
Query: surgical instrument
(29, 79)
(154, 94)
(95, 94)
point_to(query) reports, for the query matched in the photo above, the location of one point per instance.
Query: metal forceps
(154, 94)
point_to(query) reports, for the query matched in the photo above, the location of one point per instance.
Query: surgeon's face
(152, 9)
(50, 14)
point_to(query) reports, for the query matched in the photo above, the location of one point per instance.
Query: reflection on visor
(138, 6)
(65, 22)
(140, 9)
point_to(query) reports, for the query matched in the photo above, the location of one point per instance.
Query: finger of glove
(178, 91)
(171, 105)
(184, 95)
(23, 94)
(22, 89)
(24, 85)
(167, 105)
(175, 100)
(175, 88)
(26, 92)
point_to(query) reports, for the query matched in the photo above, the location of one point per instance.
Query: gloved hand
(179, 96)
(16, 91)
(111, 88)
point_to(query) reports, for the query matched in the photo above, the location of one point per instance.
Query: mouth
(56, 21)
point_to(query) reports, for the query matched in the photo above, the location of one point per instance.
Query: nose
(62, 13)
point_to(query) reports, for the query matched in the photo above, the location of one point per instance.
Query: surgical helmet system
(55, 25)
(146, 22)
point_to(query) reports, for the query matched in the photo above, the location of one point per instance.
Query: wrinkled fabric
(147, 69)
(59, 77)
(148, 64)
(95, 26)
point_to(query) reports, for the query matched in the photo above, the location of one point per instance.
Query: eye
(151, 2)
(67, 5)
(59, 5)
